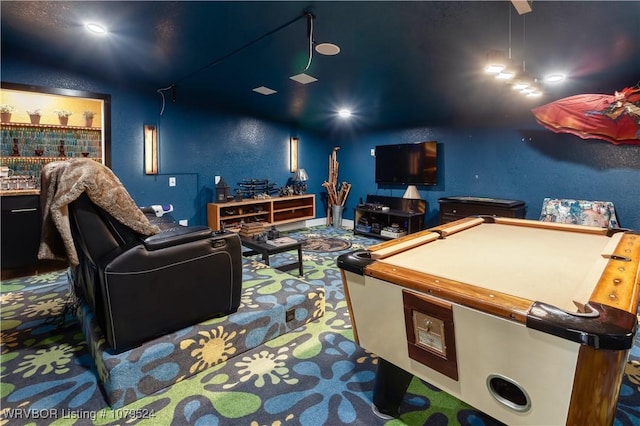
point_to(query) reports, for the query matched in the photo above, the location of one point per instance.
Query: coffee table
(267, 249)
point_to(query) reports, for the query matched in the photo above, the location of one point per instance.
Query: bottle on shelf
(15, 151)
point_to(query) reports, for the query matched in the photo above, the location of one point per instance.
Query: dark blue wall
(196, 142)
(517, 160)
(523, 162)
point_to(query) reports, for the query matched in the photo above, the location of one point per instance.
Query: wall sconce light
(150, 149)
(293, 154)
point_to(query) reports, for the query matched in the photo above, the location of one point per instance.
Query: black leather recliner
(142, 287)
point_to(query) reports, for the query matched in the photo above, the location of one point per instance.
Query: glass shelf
(49, 126)
(26, 147)
(27, 138)
(28, 159)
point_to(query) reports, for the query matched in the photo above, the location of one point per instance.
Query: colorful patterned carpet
(314, 375)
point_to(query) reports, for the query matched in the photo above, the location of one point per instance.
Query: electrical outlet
(172, 181)
(290, 315)
(184, 222)
(216, 180)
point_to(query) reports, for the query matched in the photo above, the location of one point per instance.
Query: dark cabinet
(389, 217)
(454, 208)
(21, 226)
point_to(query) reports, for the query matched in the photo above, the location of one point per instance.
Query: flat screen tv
(407, 164)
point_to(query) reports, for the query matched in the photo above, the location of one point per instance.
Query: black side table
(267, 249)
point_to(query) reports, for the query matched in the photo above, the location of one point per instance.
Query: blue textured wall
(523, 162)
(197, 141)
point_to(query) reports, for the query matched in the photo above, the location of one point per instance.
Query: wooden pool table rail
(598, 370)
(493, 302)
(618, 286)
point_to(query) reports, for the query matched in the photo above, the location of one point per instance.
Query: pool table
(530, 322)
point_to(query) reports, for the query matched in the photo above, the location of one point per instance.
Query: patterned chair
(579, 212)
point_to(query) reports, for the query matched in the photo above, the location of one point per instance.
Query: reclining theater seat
(144, 287)
(140, 279)
(140, 288)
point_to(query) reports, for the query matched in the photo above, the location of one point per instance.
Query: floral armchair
(579, 212)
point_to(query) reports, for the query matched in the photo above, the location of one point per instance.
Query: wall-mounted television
(407, 164)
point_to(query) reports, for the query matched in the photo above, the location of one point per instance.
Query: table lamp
(412, 195)
(300, 179)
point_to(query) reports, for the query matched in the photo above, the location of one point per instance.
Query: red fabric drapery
(613, 118)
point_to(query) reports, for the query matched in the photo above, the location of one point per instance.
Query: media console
(454, 208)
(389, 217)
(269, 211)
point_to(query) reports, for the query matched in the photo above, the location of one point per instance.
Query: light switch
(172, 181)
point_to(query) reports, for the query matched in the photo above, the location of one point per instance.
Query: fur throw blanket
(63, 182)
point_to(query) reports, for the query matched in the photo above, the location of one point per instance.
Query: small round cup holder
(508, 393)
(362, 254)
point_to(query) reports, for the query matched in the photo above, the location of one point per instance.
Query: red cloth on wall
(615, 119)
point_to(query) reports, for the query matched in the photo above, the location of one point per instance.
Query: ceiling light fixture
(344, 113)
(520, 85)
(328, 49)
(496, 61)
(505, 74)
(554, 78)
(303, 78)
(498, 64)
(95, 28)
(263, 90)
(522, 6)
(523, 80)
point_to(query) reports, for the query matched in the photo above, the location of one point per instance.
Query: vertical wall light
(150, 149)
(293, 154)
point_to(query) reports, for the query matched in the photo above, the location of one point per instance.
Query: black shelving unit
(380, 212)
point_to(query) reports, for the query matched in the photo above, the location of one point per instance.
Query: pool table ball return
(530, 322)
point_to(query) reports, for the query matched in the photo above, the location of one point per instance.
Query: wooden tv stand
(270, 211)
(373, 217)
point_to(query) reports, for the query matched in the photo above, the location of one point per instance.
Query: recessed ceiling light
(303, 78)
(554, 78)
(328, 49)
(96, 28)
(263, 90)
(344, 113)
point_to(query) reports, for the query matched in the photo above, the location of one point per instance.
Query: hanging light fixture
(506, 74)
(499, 64)
(496, 61)
(520, 85)
(523, 80)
